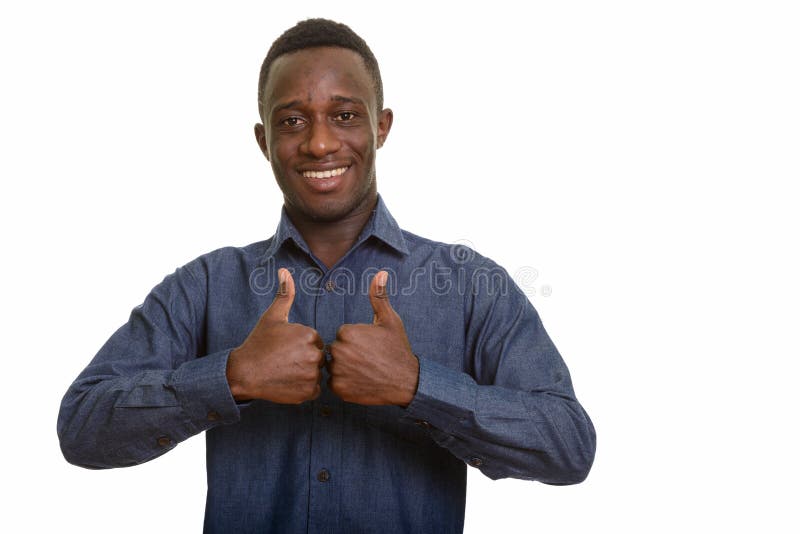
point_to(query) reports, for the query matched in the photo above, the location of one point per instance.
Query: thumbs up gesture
(279, 361)
(373, 363)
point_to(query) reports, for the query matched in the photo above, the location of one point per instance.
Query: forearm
(540, 435)
(112, 420)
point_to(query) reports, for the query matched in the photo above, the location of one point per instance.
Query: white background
(640, 156)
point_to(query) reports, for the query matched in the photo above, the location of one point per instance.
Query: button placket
(326, 430)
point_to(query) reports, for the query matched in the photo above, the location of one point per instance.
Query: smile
(325, 174)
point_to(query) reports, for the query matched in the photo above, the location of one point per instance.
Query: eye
(345, 116)
(291, 121)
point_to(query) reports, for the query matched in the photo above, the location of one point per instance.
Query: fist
(373, 363)
(279, 361)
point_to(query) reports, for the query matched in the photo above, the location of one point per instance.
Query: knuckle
(309, 369)
(310, 377)
(309, 334)
(344, 331)
(335, 386)
(293, 329)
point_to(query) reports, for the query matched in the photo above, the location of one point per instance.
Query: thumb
(284, 297)
(379, 298)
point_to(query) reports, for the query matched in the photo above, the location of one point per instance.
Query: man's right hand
(279, 361)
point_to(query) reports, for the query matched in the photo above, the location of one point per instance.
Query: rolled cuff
(445, 398)
(201, 387)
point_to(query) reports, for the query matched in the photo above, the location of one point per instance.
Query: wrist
(237, 387)
(410, 384)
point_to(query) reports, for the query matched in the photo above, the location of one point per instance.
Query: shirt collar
(380, 225)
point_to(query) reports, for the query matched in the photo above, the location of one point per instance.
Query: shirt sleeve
(146, 390)
(514, 414)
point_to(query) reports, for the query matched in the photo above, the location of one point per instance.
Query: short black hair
(313, 33)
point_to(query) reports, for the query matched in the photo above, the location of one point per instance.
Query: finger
(321, 358)
(379, 298)
(318, 341)
(341, 332)
(279, 309)
(335, 350)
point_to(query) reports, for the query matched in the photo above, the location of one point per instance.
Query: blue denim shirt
(493, 390)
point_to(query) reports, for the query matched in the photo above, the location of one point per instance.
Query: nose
(321, 139)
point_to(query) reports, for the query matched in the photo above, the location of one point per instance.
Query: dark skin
(321, 130)
(373, 363)
(320, 113)
(279, 361)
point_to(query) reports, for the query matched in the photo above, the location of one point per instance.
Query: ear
(385, 119)
(261, 139)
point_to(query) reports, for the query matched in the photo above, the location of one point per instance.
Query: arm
(513, 415)
(516, 414)
(146, 389)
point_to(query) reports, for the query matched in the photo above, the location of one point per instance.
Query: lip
(322, 167)
(324, 185)
(327, 173)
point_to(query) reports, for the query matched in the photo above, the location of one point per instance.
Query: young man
(346, 371)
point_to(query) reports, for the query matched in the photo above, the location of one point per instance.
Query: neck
(330, 241)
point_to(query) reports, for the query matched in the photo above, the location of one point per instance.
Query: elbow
(75, 456)
(572, 464)
(75, 450)
(88, 453)
(79, 447)
(568, 471)
(575, 473)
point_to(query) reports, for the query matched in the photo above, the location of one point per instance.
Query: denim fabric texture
(493, 391)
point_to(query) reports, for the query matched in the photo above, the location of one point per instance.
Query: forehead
(318, 73)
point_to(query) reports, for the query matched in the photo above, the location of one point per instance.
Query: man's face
(321, 131)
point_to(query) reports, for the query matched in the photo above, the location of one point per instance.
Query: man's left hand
(373, 363)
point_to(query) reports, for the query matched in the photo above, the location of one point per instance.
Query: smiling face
(321, 131)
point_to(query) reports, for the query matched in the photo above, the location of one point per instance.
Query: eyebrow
(348, 99)
(281, 107)
(335, 98)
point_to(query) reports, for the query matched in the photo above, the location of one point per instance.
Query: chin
(330, 210)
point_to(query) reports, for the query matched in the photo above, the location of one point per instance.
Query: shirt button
(323, 476)
(475, 462)
(422, 423)
(330, 285)
(163, 441)
(325, 411)
(212, 416)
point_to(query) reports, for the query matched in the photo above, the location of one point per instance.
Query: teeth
(325, 174)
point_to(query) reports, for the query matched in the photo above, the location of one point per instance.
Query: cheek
(364, 144)
(281, 152)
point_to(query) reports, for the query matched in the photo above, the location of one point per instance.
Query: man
(345, 370)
